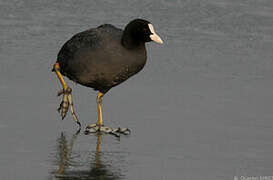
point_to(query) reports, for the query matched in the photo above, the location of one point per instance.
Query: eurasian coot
(102, 58)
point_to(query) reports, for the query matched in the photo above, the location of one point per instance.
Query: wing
(82, 40)
(80, 56)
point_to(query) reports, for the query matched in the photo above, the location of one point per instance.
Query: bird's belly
(104, 71)
(125, 73)
(108, 76)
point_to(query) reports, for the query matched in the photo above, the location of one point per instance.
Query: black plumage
(106, 56)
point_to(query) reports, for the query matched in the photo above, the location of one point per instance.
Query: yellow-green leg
(99, 100)
(99, 126)
(67, 97)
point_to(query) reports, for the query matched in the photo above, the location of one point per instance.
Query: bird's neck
(129, 42)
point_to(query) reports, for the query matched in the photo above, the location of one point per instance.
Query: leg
(99, 100)
(67, 97)
(99, 127)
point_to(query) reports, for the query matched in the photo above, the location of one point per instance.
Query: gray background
(200, 109)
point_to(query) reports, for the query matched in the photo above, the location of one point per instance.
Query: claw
(94, 128)
(125, 131)
(115, 134)
(66, 102)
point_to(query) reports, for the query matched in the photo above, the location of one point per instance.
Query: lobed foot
(94, 128)
(66, 103)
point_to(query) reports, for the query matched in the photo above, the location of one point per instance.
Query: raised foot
(66, 103)
(94, 128)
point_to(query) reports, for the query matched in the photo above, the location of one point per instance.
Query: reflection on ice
(71, 166)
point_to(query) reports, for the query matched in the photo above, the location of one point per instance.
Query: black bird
(102, 58)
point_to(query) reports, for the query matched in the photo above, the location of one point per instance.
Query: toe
(105, 129)
(125, 131)
(91, 126)
(92, 130)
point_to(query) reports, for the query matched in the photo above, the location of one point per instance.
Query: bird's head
(141, 31)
